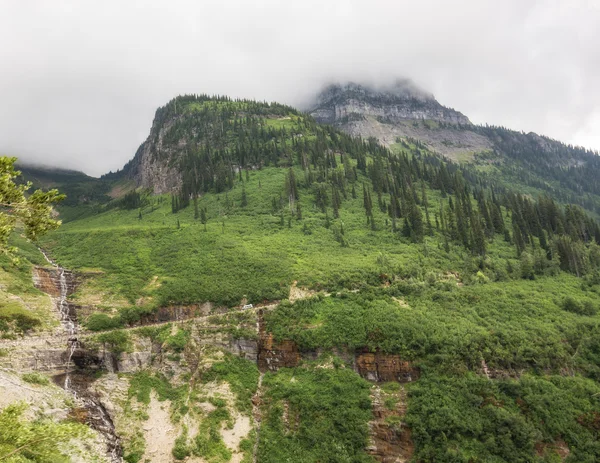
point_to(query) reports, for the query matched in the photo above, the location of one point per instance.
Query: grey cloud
(81, 79)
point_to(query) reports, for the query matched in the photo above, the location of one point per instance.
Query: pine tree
(244, 202)
(478, 236)
(291, 188)
(203, 217)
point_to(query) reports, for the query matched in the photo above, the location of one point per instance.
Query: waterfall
(69, 324)
(98, 418)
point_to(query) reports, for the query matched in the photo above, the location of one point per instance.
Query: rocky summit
(341, 103)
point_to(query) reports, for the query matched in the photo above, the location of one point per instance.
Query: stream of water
(98, 417)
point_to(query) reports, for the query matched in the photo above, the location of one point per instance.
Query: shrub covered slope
(492, 294)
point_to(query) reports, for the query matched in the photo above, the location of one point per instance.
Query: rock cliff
(398, 112)
(340, 104)
(152, 166)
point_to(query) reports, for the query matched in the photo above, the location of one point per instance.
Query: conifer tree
(244, 202)
(203, 217)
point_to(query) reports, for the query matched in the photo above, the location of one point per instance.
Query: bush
(102, 322)
(117, 341)
(13, 317)
(35, 378)
(572, 305)
(178, 341)
(181, 449)
(241, 374)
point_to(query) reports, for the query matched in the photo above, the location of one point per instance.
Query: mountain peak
(400, 90)
(402, 100)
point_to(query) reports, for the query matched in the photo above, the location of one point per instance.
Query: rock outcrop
(390, 440)
(47, 280)
(274, 355)
(399, 112)
(340, 104)
(381, 367)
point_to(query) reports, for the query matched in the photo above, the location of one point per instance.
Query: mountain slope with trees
(524, 162)
(359, 255)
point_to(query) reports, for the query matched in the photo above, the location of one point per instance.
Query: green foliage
(181, 450)
(35, 378)
(15, 318)
(101, 322)
(208, 443)
(328, 412)
(143, 382)
(41, 441)
(461, 418)
(178, 341)
(242, 376)
(570, 304)
(32, 211)
(117, 341)
(511, 325)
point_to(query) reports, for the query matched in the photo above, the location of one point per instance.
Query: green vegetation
(143, 383)
(509, 324)
(241, 375)
(33, 212)
(23, 308)
(178, 341)
(326, 414)
(208, 443)
(42, 441)
(491, 294)
(35, 378)
(116, 341)
(470, 417)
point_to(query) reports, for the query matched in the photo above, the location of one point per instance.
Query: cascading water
(98, 417)
(69, 324)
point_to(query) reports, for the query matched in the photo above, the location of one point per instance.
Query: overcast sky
(80, 80)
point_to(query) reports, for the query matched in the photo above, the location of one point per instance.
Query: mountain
(524, 161)
(398, 110)
(205, 127)
(268, 288)
(339, 104)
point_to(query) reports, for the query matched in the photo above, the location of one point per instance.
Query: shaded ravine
(93, 413)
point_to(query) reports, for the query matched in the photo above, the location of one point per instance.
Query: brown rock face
(48, 280)
(383, 367)
(390, 438)
(389, 444)
(275, 355)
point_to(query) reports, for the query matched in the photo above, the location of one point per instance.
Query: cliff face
(340, 104)
(401, 111)
(153, 164)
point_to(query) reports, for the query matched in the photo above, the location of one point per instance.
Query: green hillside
(492, 296)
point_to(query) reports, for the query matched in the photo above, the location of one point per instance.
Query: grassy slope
(22, 306)
(448, 324)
